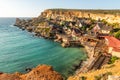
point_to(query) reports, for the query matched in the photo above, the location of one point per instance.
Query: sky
(33, 8)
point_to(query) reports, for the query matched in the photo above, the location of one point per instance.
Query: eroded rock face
(66, 15)
(6, 76)
(41, 72)
(69, 15)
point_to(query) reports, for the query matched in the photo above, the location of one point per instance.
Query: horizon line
(54, 9)
(17, 17)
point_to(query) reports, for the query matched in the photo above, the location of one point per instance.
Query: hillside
(112, 16)
(95, 11)
(102, 74)
(63, 26)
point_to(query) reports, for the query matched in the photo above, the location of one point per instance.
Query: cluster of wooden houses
(72, 33)
(112, 43)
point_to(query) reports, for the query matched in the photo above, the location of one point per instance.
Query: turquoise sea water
(20, 49)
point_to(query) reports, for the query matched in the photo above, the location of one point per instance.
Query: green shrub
(115, 25)
(98, 77)
(113, 59)
(83, 28)
(117, 34)
(103, 76)
(83, 78)
(104, 21)
(108, 73)
(110, 66)
(91, 27)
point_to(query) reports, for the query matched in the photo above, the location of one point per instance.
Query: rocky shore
(41, 72)
(73, 30)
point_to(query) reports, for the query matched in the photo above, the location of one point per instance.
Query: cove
(20, 49)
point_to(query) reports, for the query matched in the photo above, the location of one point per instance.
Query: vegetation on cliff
(116, 32)
(97, 11)
(113, 59)
(108, 72)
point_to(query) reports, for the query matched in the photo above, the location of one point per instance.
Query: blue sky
(32, 8)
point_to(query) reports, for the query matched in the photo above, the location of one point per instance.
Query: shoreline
(71, 34)
(81, 62)
(76, 66)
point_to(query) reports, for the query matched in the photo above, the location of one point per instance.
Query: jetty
(67, 40)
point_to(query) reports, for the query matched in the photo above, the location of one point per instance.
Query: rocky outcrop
(21, 23)
(41, 72)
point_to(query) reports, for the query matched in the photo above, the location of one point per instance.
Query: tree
(117, 34)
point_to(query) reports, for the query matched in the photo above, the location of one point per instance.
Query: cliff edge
(41, 72)
(111, 16)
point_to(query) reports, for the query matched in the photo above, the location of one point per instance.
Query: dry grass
(114, 69)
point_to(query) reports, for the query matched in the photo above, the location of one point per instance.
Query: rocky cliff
(41, 72)
(56, 21)
(112, 16)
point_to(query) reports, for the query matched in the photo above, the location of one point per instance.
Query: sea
(20, 49)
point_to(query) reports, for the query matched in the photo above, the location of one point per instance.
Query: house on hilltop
(102, 28)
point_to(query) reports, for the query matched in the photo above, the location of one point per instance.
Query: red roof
(116, 49)
(113, 42)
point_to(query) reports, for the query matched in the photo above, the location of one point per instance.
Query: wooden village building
(100, 28)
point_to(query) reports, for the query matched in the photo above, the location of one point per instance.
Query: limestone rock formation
(41, 72)
(111, 16)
